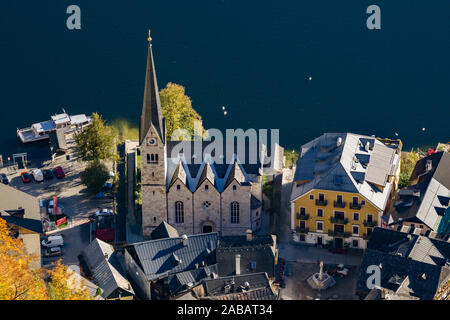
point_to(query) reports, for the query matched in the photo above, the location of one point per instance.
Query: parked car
(51, 205)
(102, 212)
(37, 175)
(25, 175)
(59, 172)
(342, 270)
(48, 175)
(53, 241)
(53, 252)
(4, 178)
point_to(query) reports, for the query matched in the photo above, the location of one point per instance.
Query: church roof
(151, 108)
(164, 230)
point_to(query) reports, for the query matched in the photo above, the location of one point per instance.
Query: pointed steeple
(151, 108)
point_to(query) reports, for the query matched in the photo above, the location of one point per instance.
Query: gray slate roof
(231, 288)
(429, 195)
(163, 257)
(342, 162)
(104, 266)
(164, 230)
(411, 265)
(258, 251)
(179, 282)
(151, 106)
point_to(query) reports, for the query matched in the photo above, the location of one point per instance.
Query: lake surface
(253, 57)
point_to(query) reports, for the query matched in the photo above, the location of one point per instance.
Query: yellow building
(341, 187)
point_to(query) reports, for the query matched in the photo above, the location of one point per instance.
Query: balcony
(370, 224)
(339, 234)
(302, 230)
(355, 206)
(339, 204)
(339, 220)
(302, 216)
(322, 202)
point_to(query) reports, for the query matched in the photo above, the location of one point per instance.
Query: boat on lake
(61, 122)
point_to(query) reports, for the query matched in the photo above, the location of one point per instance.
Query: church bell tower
(152, 139)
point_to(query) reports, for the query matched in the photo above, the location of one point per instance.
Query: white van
(37, 175)
(53, 241)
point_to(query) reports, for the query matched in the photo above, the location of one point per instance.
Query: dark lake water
(254, 57)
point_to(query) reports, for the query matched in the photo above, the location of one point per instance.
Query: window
(302, 238)
(355, 243)
(148, 158)
(253, 265)
(369, 218)
(339, 215)
(302, 210)
(339, 198)
(178, 187)
(154, 219)
(319, 241)
(311, 197)
(234, 212)
(355, 201)
(355, 230)
(369, 231)
(321, 197)
(363, 202)
(206, 187)
(179, 212)
(356, 216)
(234, 187)
(319, 226)
(320, 212)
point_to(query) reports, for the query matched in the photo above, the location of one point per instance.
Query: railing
(356, 206)
(340, 234)
(321, 202)
(339, 220)
(302, 216)
(339, 204)
(302, 230)
(370, 223)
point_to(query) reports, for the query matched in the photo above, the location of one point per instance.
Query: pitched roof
(104, 266)
(346, 162)
(427, 199)
(254, 286)
(256, 255)
(168, 256)
(20, 208)
(164, 230)
(179, 282)
(151, 108)
(411, 266)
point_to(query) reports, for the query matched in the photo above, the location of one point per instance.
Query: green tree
(408, 161)
(124, 129)
(94, 176)
(63, 285)
(291, 157)
(177, 109)
(97, 141)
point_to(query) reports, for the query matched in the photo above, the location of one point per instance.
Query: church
(192, 192)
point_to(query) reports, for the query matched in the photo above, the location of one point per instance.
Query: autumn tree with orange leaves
(20, 281)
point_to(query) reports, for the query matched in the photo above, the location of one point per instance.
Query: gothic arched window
(148, 158)
(234, 212)
(179, 212)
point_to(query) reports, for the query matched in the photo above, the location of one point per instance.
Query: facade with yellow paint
(341, 187)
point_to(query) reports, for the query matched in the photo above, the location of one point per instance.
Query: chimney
(249, 235)
(238, 264)
(339, 141)
(367, 147)
(184, 239)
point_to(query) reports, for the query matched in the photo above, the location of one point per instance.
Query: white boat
(41, 131)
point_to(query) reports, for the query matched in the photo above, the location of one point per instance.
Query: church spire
(151, 108)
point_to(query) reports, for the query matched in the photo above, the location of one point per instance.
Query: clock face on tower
(151, 142)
